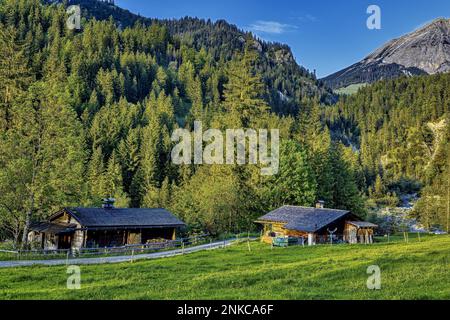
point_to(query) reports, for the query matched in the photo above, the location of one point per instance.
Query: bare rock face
(427, 48)
(283, 56)
(424, 51)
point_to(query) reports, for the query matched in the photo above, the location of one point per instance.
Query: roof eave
(269, 221)
(134, 227)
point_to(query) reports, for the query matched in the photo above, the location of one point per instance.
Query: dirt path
(119, 259)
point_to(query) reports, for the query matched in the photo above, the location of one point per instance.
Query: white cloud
(271, 27)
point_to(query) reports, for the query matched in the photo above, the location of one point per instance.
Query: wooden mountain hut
(315, 225)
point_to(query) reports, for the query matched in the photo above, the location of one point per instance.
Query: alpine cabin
(315, 225)
(75, 228)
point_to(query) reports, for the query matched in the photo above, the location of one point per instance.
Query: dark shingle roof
(304, 219)
(115, 217)
(53, 227)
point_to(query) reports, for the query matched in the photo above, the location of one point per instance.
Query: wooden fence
(105, 251)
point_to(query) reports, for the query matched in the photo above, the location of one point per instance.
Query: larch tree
(46, 142)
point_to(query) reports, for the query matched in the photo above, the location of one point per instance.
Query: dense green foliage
(414, 270)
(89, 113)
(290, 86)
(402, 130)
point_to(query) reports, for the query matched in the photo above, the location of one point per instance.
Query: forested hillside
(402, 131)
(290, 86)
(88, 114)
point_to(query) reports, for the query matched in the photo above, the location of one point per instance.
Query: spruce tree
(345, 192)
(295, 184)
(244, 90)
(114, 183)
(15, 75)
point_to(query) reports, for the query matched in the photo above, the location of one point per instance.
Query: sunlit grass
(414, 270)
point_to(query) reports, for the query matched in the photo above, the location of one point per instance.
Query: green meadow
(351, 89)
(414, 270)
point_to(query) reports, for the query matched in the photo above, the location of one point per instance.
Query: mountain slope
(424, 51)
(290, 84)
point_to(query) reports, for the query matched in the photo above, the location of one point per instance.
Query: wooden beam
(84, 239)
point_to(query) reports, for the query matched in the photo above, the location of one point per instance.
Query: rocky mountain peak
(423, 51)
(427, 48)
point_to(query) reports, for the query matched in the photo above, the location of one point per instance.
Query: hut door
(64, 242)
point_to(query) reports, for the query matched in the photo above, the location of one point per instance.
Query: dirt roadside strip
(119, 259)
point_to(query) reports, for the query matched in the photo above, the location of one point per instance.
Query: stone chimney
(320, 204)
(108, 203)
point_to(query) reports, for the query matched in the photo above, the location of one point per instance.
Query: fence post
(132, 256)
(418, 234)
(182, 247)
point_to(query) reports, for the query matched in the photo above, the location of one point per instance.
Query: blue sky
(325, 35)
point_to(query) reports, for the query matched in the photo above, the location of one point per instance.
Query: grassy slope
(351, 89)
(418, 270)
